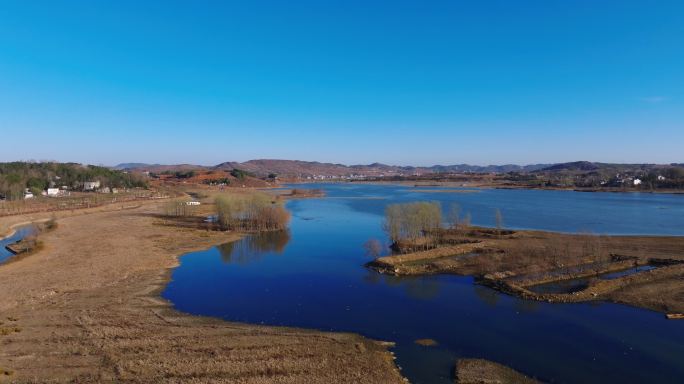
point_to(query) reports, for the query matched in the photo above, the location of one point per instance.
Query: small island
(643, 271)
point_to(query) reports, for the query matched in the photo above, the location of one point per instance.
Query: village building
(91, 185)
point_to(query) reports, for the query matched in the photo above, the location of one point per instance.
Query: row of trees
(15, 177)
(251, 212)
(179, 209)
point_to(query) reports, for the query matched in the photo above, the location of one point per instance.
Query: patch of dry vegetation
(479, 371)
(305, 193)
(256, 211)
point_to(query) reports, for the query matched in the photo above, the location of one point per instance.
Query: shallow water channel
(19, 234)
(312, 276)
(580, 283)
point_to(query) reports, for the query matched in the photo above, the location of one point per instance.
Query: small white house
(192, 203)
(637, 181)
(91, 185)
(52, 192)
(661, 178)
(28, 194)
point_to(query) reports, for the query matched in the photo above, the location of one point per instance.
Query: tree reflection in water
(486, 294)
(254, 247)
(416, 287)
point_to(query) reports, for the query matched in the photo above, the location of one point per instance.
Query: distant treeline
(15, 177)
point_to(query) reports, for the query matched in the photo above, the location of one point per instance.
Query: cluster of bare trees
(454, 219)
(411, 224)
(251, 212)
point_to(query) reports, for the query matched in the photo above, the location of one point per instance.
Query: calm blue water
(313, 277)
(19, 234)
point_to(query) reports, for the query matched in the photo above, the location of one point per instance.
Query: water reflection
(487, 295)
(420, 288)
(20, 233)
(254, 247)
(526, 306)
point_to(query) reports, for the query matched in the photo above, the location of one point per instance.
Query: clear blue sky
(400, 82)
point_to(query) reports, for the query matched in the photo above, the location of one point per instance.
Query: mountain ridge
(298, 168)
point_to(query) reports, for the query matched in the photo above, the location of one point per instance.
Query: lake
(312, 276)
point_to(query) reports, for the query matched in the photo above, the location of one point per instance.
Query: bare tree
(373, 248)
(499, 221)
(465, 223)
(413, 224)
(454, 216)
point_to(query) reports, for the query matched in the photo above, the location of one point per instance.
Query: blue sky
(399, 82)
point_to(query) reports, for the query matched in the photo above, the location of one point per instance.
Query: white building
(192, 203)
(637, 181)
(52, 192)
(661, 178)
(91, 185)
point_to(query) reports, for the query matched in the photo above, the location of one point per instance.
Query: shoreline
(100, 313)
(484, 186)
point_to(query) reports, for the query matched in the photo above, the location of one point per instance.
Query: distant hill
(462, 168)
(159, 167)
(134, 165)
(573, 166)
(298, 168)
(587, 166)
